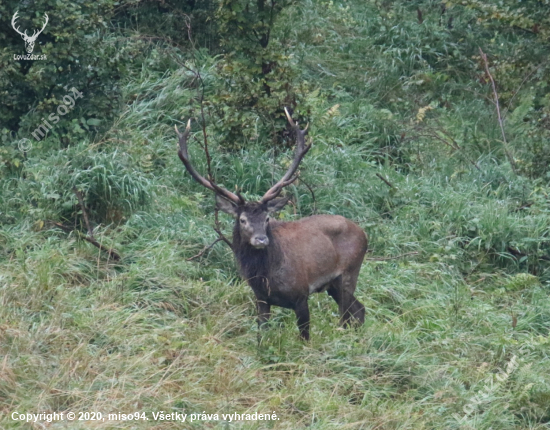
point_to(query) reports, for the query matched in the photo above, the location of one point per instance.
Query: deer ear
(226, 206)
(277, 204)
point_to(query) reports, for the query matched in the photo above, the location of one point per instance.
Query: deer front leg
(302, 314)
(264, 312)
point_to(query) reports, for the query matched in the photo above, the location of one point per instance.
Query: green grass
(155, 332)
(81, 334)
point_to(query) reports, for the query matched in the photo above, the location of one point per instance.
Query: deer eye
(267, 219)
(243, 221)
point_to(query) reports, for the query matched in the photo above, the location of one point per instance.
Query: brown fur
(315, 254)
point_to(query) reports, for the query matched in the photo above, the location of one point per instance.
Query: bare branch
(500, 120)
(84, 213)
(312, 194)
(388, 183)
(204, 250)
(205, 137)
(217, 229)
(184, 156)
(453, 144)
(520, 85)
(110, 251)
(392, 258)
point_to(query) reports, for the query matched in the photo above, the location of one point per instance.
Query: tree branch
(217, 229)
(454, 145)
(204, 250)
(84, 213)
(217, 226)
(391, 258)
(500, 120)
(110, 251)
(312, 194)
(388, 183)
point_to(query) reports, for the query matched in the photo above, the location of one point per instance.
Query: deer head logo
(29, 40)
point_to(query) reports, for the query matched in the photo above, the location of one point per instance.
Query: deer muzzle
(259, 241)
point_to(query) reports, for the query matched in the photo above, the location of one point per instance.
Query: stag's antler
(17, 28)
(25, 35)
(208, 183)
(35, 34)
(301, 150)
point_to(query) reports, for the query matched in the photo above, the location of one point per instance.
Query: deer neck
(256, 265)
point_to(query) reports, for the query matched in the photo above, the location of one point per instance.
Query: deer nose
(260, 241)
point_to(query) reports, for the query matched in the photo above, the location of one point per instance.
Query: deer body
(315, 254)
(285, 262)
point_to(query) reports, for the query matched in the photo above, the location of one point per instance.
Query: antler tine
(13, 22)
(183, 154)
(43, 27)
(301, 150)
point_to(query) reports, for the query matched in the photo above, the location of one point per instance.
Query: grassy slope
(158, 333)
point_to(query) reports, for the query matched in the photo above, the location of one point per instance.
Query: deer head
(252, 218)
(29, 40)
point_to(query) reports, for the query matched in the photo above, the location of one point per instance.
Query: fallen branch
(84, 213)
(204, 250)
(500, 120)
(391, 258)
(389, 184)
(111, 252)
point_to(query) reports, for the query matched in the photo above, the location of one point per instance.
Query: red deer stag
(285, 262)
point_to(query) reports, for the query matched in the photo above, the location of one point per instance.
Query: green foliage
(79, 52)
(109, 181)
(247, 25)
(91, 46)
(519, 44)
(258, 77)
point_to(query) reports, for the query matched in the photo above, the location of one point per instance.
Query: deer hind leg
(354, 307)
(341, 290)
(302, 314)
(335, 291)
(338, 293)
(357, 310)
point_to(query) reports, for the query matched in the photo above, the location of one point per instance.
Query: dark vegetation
(431, 130)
